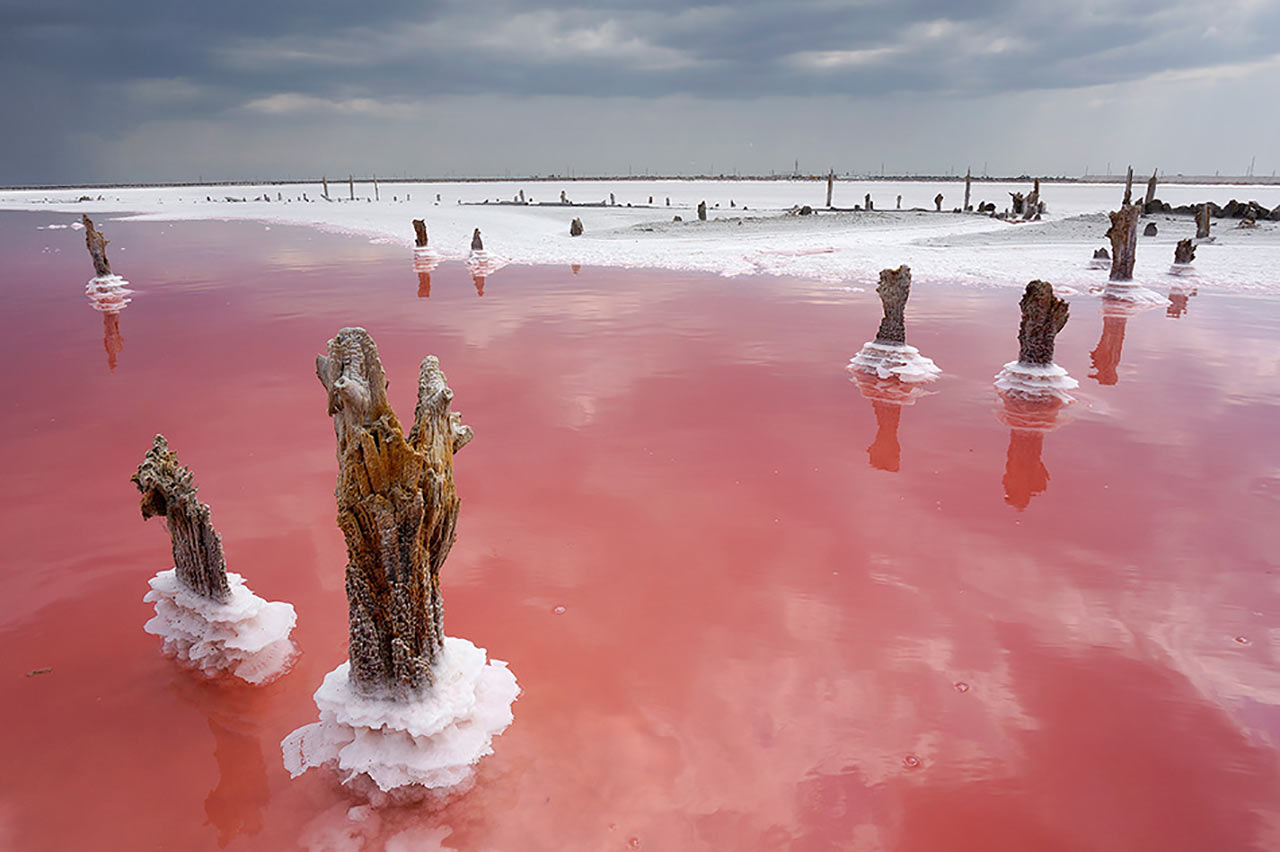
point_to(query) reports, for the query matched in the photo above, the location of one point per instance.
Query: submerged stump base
(894, 360)
(481, 262)
(1131, 294)
(1022, 381)
(388, 749)
(244, 636)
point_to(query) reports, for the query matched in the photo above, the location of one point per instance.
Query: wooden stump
(968, 181)
(477, 244)
(97, 246)
(937, 202)
(1202, 222)
(1184, 251)
(702, 211)
(1123, 234)
(397, 508)
(1031, 206)
(894, 289)
(168, 490)
(1128, 189)
(575, 228)
(1043, 316)
(325, 181)
(831, 185)
(1151, 194)
(867, 201)
(351, 186)
(419, 233)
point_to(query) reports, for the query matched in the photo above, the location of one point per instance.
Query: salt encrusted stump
(1123, 234)
(702, 211)
(1184, 252)
(477, 244)
(889, 356)
(205, 615)
(97, 245)
(1128, 188)
(419, 233)
(1202, 222)
(1034, 375)
(1031, 206)
(411, 708)
(575, 227)
(1151, 194)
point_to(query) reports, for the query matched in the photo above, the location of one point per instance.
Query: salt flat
(748, 229)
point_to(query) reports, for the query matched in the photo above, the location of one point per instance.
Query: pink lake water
(752, 604)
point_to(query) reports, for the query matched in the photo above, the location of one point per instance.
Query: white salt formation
(1034, 375)
(411, 711)
(245, 636)
(206, 616)
(889, 356)
(432, 742)
(1127, 291)
(1035, 380)
(108, 293)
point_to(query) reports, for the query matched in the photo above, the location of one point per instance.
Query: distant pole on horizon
(376, 196)
(351, 185)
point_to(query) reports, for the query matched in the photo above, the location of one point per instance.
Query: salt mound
(1035, 381)
(246, 636)
(108, 293)
(1127, 291)
(898, 360)
(481, 262)
(431, 743)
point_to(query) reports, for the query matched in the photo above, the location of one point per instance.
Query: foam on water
(246, 636)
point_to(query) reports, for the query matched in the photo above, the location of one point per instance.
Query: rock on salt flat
(247, 636)
(431, 744)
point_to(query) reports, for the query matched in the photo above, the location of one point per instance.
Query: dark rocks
(1043, 316)
(1101, 254)
(1151, 230)
(677, 218)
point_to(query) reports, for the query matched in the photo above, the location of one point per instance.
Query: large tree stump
(397, 508)
(1128, 189)
(831, 185)
(419, 233)
(1043, 316)
(97, 245)
(1202, 221)
(1123, 234)
(477, 244)
(894, 289)
(168, 490)
(1184, 251)
(968, 181)
(702, 211)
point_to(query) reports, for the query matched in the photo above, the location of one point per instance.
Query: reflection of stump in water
(1106, 355)
(112, 340)
(424, 285)
(1025, 474)
(424, 261)
(478, 280)
(1178, 298)
(888, 396)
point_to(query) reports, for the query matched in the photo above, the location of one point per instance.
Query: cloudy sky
(161, 90)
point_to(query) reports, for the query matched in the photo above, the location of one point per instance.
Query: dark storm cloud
(84, 69)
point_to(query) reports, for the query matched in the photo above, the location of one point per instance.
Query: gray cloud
(87, 74)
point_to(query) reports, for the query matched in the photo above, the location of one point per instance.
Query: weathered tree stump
(1151, 194)
(899, 207)
(419, 233)
(97, 246)
(894, 288)
(1123, 234)
(521, 197)
(1043, 316)
(351, 186)
(831, 185)
(1017, 203)
(325, 181)
(376, 195)
(702, 211)
(867, 200)
(937, 202)
(1101, 254)
(1128, 189)
(1031, 206)
(1151, 230)
(1202, 222)
(477, 244)
(1184, 251)
(575, 228)
(612, 201)
(168, 490)
(968, 181)
(564, 199)
(397, 508)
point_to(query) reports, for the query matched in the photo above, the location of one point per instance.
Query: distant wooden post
(1124, 241)
(968, 180)
(419, 233)
(376, 196)
(1031, 205)
(1184, 251)
(831, 185)
(1202, 222)
(1151, 194)
(899, 202)
(702, 211)
(575, 228)
(477, 244)
(1128, 188)
(351, 185)
(325, 181)
(97, 245)
(937, 202)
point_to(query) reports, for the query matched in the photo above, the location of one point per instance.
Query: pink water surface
(753, 604)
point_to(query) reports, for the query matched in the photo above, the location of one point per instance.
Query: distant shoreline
(1184, 180)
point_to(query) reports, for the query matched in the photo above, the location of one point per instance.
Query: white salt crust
(425, 259)
(481, 262)
(887, 360)
(1127, 291)
(246, 636)
(108, 293)
(431, 743)
(1035, 380)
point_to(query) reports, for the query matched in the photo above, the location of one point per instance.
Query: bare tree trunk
(831, 185)
(1151, 194)
(397, 508)
(1184, 251)
(477, 244)
(1043, 316)
(894, 289)
(97, 245)
(168, 489)
(702, 211)
(325, 181)
(968, 180)
(351, 185)
(419, 233)
(1031, 204)
(1128, 188)
(937, 202)
(1123, 234)
(376, 195)
(1202, 222)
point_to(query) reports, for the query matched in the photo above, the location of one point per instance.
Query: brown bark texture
(702, 211)
(1184, 251)
(1123, 234)
(168, 489)
(894, 289)
(419, 233)
(397, 508)
(97, 245)
(477, 244)
(575, 227)
(1202, 221)
(1043, 316)
(1128, 188)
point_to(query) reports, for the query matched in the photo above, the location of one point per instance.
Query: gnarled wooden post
(419, 233)
(1128, 188)
(1123, 234)
(894, 289)
(1031, 205)
(702, 211)
(398, 508)
(477, 244)
(1202, 222)
(351, 186)
(575, 227)
(97, 245)
(1184, 251)
(1043, 316)
(325, 181)
(831, 185)
(937, 202)
(968, 181)
(867, 203)
(168, 489)
(1151, 194)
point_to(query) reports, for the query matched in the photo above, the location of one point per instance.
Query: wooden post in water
(1123, 234)
(97, 245)
(968, 180)
(1128, 189)
(894, 289)
(397, 508)
(419, 233)
(1043, 316)
(477, 244)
